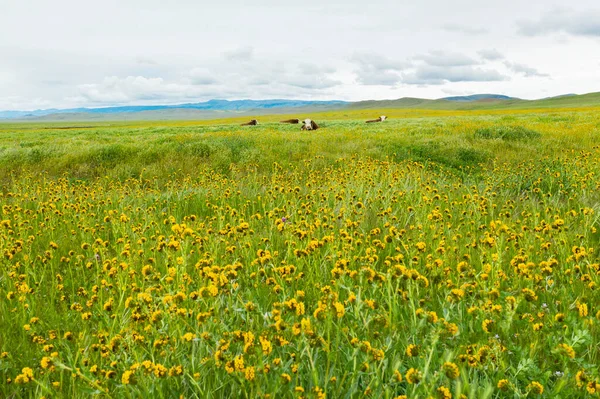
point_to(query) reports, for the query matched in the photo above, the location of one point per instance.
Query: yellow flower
(397, 376)
(370, 303)
(249, 373)
(444, 393)
(451, 370)
(581, 378)
(412, 350)
(128, 377)
(159, 370)
(339, 309)
(487, 325)
(46, 362)
(108, 305)
(536, 388)
(239, 363)
(503, 385)
(25, 376)
(529, 295)
(213, 290)
(319, 392)
(413, 376)
(568, 350)
(175, 371)
(188, 337)
(266, 345)
(432, 317)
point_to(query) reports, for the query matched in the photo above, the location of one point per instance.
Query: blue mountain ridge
(478, 97)
(211, 105)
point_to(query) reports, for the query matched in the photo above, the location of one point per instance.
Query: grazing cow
(253, 122)
(291, 121)
(380, 119)
(308, 124)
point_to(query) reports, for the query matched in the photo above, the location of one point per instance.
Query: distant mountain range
(223, 108)
(212, 105)
(478, 97)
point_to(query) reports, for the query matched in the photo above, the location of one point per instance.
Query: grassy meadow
(442, 254)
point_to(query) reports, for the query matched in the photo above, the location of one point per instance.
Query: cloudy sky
(67, 53)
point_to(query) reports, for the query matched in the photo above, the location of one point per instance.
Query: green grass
(124, 151)
(212, 260)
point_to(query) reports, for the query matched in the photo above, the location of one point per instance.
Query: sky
(74, 53)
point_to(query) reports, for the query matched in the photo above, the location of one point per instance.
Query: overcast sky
(67, 53)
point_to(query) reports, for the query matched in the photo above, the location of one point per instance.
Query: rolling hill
(478, 97)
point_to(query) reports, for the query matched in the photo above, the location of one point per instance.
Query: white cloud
(436, 75)
(578, 23)
(204, 83)
(374, 69)
(123, 90)
(202, 76)
(440, 58)
(490, 54)
(525, 70)
(438, 68)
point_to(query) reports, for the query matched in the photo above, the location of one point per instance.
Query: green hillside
(575, 101)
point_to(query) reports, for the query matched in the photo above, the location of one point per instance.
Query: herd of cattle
(309, 124)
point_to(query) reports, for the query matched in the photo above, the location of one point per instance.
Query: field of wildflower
(440, 254)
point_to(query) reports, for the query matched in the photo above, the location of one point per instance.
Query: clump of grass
(453, 155)
(111, 155)
(506, 132)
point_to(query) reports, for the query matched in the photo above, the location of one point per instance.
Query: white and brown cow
(380, 119)
(309, 124)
